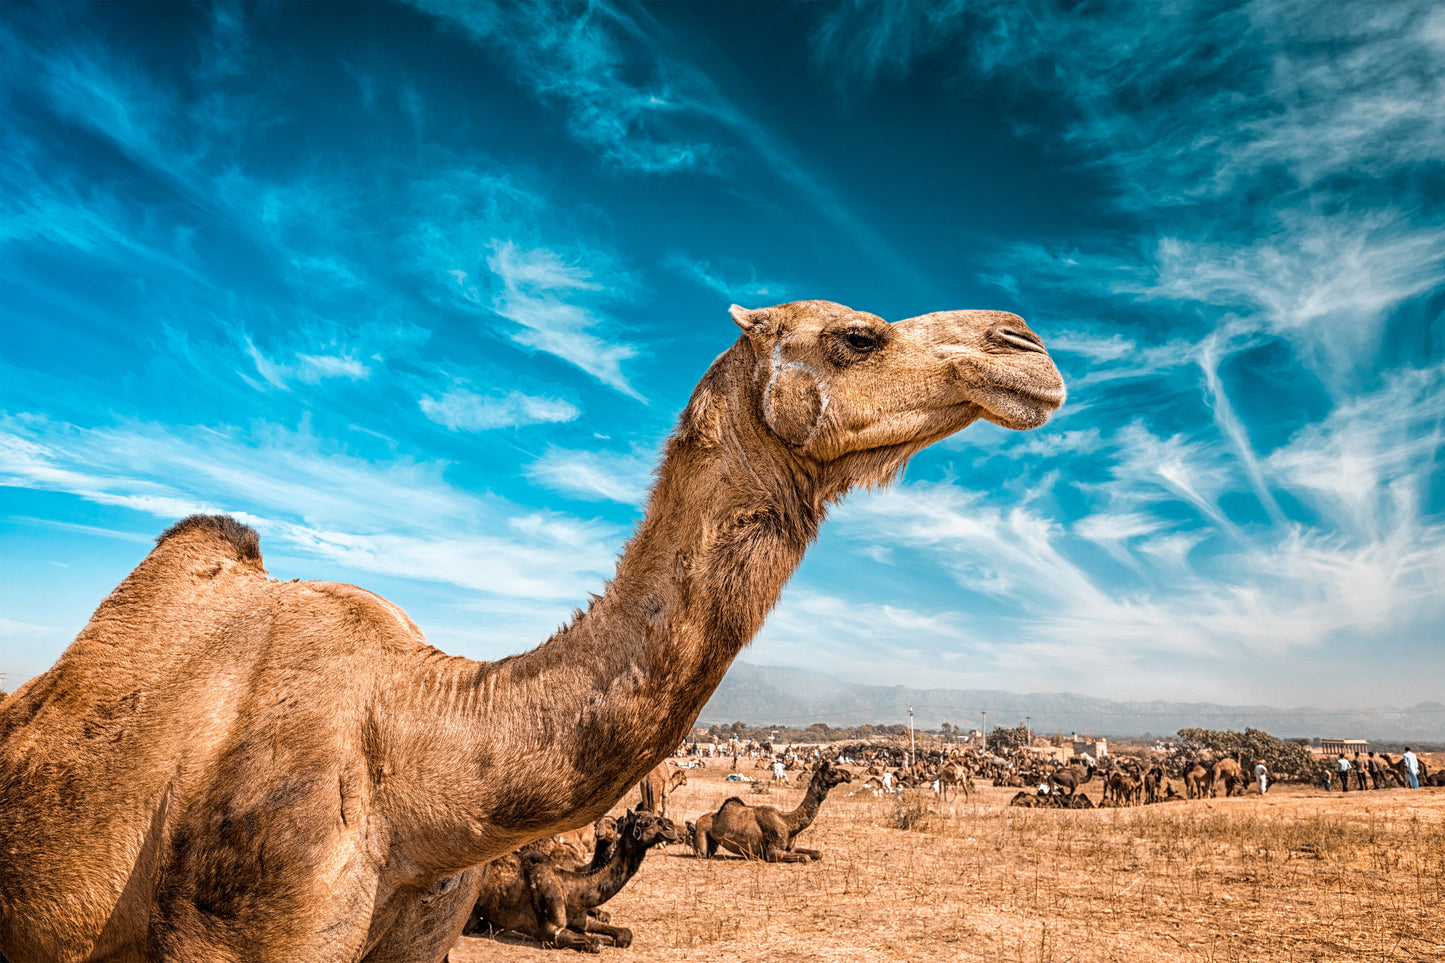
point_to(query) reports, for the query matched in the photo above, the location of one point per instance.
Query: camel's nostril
(1022, 339)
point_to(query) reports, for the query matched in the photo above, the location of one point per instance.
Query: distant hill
(759, 694)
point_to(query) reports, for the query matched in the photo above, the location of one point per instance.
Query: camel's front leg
(808, 853)
(618, 936)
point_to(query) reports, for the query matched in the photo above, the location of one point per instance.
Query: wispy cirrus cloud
(399, 518)
(461, 409)
(735, 281)
(596, 475)
(639, 110)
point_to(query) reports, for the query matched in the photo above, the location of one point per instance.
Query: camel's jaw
(1009, 375)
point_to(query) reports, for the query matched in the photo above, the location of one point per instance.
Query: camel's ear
(756, 322)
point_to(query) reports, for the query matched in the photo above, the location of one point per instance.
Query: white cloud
(399, 518)
(461, 409)
(737, 282)
(596, 475)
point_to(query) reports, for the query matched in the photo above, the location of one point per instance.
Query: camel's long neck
(598, 884)
(562, 732)
(802, 817)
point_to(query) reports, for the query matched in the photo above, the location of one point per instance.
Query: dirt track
(1296, 875)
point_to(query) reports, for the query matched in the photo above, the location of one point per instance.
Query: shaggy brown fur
(766, 832)
(224, 767)
(532, 893)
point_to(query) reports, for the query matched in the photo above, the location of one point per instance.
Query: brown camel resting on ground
(533, 894)
(766, 832)
(223, 766)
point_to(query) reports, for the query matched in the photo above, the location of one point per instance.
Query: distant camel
(531, 893)
(1121, 789)
(955, 777)
(658, 785)
(1196, 778)
(1227, 773)
(1153, 779)
(224, 766)
(1070, 778)
(766, 832)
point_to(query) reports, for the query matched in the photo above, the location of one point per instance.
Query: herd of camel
(551, 889)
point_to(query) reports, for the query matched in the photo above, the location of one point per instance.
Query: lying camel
(533, 894)
(766, 832)
(579, 846)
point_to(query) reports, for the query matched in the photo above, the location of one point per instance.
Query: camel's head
(833, 775)
(833, 382)
(649, 828)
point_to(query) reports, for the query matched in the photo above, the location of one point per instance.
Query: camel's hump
(230, 536)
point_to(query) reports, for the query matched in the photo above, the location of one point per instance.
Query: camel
(658, 785)
(1153, 780)
(578, 846)
(1196, 778)
(1122, 789)
(224, 766)
(533, 894)
(956, 777)
(1226, 772)
(1070, 778)
(766, 832)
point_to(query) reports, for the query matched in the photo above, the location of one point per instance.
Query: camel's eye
(860, 340)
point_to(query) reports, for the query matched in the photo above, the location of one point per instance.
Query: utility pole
(1029, 730)
(984, 723)
(912, 743)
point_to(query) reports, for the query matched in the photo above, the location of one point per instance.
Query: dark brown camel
(223, 766)
(1070, 778)
(533, 894)
(766, 832)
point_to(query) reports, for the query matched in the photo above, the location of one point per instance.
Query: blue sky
(418, 290)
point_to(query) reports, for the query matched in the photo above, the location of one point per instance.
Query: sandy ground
(1295, 875)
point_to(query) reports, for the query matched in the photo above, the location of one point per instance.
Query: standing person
(1359, 772)
(1342, 766)
(1261, 774)
(780, 772)
(1377, 777)
(1412, 768)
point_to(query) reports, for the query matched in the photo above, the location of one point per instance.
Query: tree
(1284, 759)
(1002, 739)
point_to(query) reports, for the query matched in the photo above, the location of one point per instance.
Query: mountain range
(759, 695)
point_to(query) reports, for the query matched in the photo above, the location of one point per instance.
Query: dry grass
(1296, 875)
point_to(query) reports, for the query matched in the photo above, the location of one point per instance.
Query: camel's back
(194, 660)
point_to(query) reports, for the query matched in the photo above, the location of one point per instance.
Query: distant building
(1087, 746)
(1056, 753)
(1348, 746)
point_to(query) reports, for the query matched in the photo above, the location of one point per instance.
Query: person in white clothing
(1261, 774)
(1412, 768)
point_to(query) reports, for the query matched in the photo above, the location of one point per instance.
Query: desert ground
(1297, 874)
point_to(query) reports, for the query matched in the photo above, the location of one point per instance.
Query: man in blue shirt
(1342, 765)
